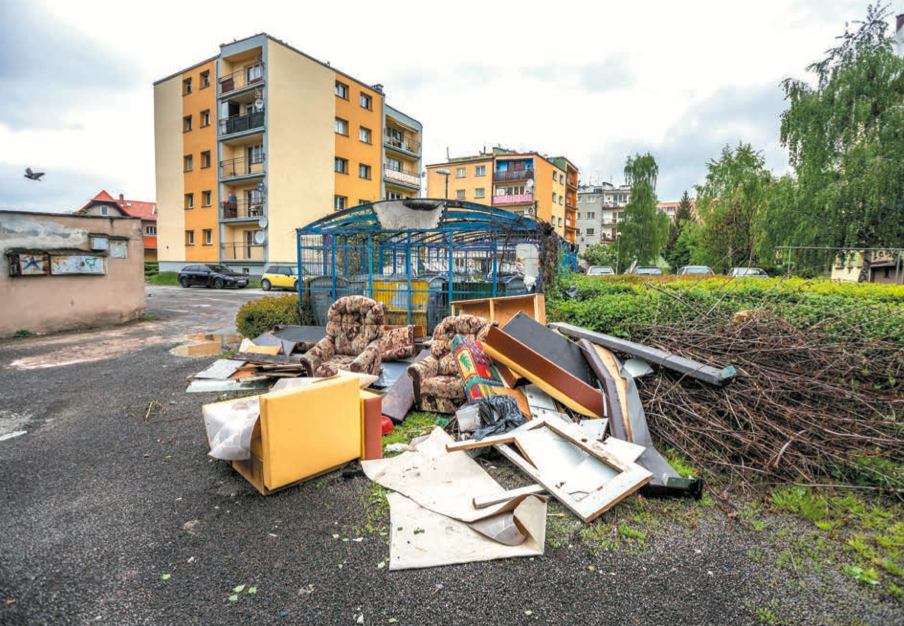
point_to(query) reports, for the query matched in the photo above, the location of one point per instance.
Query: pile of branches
(804, 407)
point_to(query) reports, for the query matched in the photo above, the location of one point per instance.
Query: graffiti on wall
(29, 265)
(78, 264)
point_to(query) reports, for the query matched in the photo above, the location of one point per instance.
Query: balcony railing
(510, 175)
(241, 123)
(406, 143)
(242, 167)
(241, 251)
(245, 77)
(401, 175)
(520, 198)
(573, 182)
(240, 209)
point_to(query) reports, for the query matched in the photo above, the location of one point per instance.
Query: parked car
(748, 272)
(280, 277)
(600, 270)
(211, 275)
(695, 269)
(647, 270)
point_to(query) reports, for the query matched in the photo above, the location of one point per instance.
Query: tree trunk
(864, 268)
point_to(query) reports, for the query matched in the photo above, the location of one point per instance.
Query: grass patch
(163, 278)
(415, 425)
(23, 333)
(150, 317)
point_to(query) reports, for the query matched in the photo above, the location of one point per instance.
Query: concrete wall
(52, 303)
(170, 178)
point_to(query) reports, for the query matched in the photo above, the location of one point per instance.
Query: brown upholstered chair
(437, 383)
(354, 339)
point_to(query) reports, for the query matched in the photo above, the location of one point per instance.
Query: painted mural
(78, 264)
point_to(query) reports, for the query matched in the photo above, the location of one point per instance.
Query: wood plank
(266, 358)
(509, 437)
(487, 501)
(400, 397)
(688, 367)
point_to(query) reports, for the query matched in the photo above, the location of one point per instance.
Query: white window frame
(339, 161)
(339, 125)
(365, 135)
(461, 172)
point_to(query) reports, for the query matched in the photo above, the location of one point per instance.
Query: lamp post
(446, 173)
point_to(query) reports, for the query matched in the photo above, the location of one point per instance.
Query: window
(590, 215)
(553, 197)
(205, 118)
(480, 170)
(256, 153)
(480, 192)
(339, 203)
(341, 165)
(591, 199)
(206, 198)
(561, 199)
(189, 238)
(208, 236)
(460, 194)
(366, 102)
(590, 231)
(364, 171)
(188, 163)
(189, 201)
(342, 90)
(205, 159)
(104, 210)
(150, 230)
(364, 134)
(360, 202)
(461, 172)
(560, 222)
(580, 199)
(341, 126)
(186, 123)
(394, 164)
(555, 177)
(186, 86)
(393, 195)
(254, 73)
(205, 79)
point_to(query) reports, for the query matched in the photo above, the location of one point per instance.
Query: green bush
(259, 316)
(163, 278)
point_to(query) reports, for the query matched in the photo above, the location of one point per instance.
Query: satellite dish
(259, 186)
(262, 222)
(259, 104)
(260, 237)
(529, 184)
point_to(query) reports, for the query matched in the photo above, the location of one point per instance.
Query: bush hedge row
(258, 316)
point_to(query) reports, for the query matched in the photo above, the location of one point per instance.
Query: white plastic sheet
(229, 427)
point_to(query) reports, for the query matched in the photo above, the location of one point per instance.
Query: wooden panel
(400, 397)
(309, 430)
(371, 428)
(505, 308)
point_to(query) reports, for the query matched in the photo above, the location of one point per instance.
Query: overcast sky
(594, 81)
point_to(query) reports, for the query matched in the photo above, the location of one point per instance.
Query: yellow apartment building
(263, 139)
(525, 183)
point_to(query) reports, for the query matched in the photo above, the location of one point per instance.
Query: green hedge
(258, 316)
(630, 306)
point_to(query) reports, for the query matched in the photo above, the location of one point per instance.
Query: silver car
(600, 270)
(748, 272)
(695, 269)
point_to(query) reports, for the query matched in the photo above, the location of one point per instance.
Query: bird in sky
(33, 175)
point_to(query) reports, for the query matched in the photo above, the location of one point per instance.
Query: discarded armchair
(354, 339)
(436, 381)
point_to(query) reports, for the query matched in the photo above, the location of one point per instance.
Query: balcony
(233, 168)
(572, 182)
(405, 143)
(241, 123)
(245, 77)
(570, 205)
(401, 175)
(241, 209)
(520, 198)
(512, 175)
(241, 251)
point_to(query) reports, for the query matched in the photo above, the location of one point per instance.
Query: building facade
(525, 183)
(263, 139)
(600, 209)
(104, 205)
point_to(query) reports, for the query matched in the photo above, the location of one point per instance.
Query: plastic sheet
(229, 427)
(498, 415)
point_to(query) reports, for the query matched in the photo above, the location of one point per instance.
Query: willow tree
(644, 231)
(845, 136)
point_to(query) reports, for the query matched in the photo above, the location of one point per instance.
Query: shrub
(23, 333)
(258, 316)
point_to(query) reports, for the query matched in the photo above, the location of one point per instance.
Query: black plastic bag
(498, 415)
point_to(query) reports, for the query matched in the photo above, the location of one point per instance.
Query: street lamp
(445, 173)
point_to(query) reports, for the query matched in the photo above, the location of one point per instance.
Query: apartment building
(262, 139)
(671, 208)
(600, 208)
(526, 183)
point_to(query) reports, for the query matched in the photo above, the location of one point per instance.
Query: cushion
(398, 343)
(443, 387)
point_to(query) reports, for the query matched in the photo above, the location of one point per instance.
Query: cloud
(60, 191)
(47, 69)
(730, 115)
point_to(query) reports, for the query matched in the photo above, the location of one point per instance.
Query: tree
(683, 215)
(643, 232)
(845, 137)
(600, 254)
(729, 204)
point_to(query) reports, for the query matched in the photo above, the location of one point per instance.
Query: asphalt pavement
(111, 513)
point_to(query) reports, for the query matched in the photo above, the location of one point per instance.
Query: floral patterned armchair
(437, 383)
(354, 339)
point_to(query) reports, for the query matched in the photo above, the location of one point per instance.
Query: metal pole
(408, 268)
(447, 186)
(897, 267)
(370, 270)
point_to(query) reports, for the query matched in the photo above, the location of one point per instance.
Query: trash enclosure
(416, 256)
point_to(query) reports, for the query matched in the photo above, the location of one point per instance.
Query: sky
(594, 81)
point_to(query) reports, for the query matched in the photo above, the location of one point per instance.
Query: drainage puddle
(210, 345)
